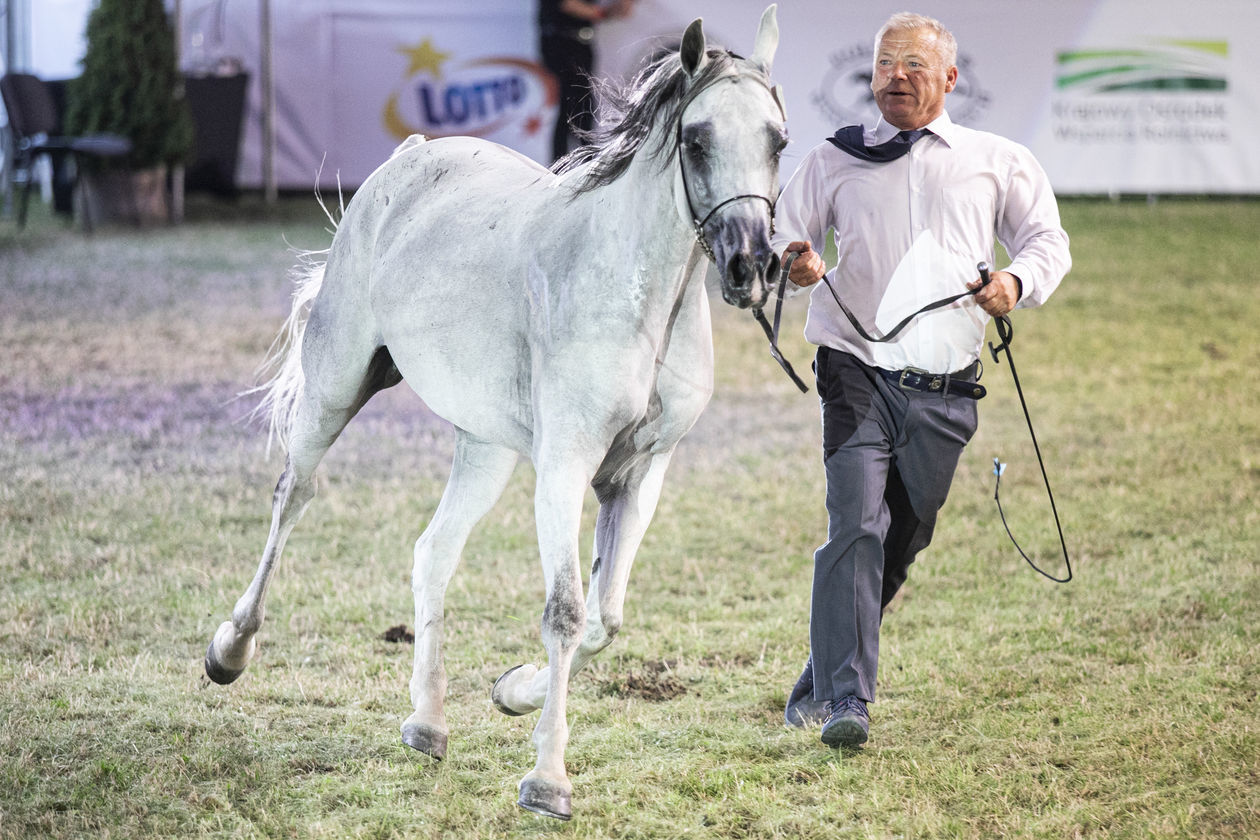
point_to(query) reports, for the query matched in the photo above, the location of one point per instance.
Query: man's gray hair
(910, 21)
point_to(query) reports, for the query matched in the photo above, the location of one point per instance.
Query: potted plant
(131, 86)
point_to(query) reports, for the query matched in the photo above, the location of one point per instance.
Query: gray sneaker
(848, 723)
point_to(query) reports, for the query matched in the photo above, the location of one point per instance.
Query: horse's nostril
(746, 283)
(741, 271)
(745, 268)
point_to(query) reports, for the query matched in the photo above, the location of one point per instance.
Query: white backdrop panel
(1112, 95)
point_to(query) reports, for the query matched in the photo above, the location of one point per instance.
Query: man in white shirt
(915, 203)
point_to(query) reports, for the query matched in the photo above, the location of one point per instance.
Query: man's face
(911, 78)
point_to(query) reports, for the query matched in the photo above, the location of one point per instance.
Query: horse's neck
(640, 211)
(655, 251)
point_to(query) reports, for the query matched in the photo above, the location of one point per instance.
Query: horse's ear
(692, 51)
(767, 38)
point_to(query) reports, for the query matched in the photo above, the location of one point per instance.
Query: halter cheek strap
(772, 332)
(697, 223)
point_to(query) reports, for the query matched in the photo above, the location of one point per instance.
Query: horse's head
(729, 138)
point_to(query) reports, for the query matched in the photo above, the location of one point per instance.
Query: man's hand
(1000, 296)
(808, 268)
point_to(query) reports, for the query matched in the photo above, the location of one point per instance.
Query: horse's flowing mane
(658, 93)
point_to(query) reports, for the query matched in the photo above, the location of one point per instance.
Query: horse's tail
(283, 389)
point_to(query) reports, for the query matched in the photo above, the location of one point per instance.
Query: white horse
(559, 315)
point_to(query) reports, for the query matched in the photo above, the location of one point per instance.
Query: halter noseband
(698, 223)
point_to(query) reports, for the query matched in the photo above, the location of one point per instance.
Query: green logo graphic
(1169, 66)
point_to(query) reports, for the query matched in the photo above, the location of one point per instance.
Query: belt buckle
(924, 381)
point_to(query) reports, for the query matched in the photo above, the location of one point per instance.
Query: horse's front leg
(558, 508)
(625, 511)
(627, 506)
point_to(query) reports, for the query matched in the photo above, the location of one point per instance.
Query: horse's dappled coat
(559, 316)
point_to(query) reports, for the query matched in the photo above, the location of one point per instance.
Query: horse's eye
(778, 142)
(696, 142)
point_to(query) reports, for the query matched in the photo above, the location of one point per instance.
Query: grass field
(133, 505)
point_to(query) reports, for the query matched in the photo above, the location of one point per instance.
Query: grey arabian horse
(557, 315)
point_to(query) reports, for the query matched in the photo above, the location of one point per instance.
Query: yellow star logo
(424, 57)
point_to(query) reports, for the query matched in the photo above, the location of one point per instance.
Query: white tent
(1113, 96)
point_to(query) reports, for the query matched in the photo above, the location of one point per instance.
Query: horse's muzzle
(747, 263)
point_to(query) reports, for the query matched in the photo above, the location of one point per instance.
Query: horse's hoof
(496, 693)
(546, 799)
(217, 671)
(426, 739)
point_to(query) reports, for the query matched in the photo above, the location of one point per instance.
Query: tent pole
(269, 105)
(177, 171)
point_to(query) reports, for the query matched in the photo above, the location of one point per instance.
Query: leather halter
(698, 223)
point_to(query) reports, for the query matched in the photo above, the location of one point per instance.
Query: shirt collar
(942, 127)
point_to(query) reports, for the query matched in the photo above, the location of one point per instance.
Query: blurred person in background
(566, 30)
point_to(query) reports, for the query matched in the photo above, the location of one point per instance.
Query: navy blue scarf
(849, 139)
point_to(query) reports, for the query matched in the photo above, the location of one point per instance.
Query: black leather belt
(959, 384)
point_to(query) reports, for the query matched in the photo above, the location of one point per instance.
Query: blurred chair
(36, 125)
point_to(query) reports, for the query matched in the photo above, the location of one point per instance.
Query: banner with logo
(353, 78)
(1113, 96)
(427, 76)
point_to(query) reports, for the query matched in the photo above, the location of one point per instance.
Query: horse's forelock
(657, 95)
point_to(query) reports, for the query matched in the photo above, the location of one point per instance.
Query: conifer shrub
(131, 84)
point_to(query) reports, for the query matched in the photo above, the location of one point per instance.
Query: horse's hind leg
(478, 475)
(320, 418)
(233, 643)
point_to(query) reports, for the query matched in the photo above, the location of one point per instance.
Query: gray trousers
(889, 457)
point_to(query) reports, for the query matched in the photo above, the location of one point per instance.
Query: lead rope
(1006, 332)
(895, 331)
(772, 333)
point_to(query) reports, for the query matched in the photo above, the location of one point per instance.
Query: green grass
(134, 503)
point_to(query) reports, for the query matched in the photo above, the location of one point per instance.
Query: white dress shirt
(911, 231)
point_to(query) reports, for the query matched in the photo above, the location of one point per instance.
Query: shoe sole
(846, 732)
